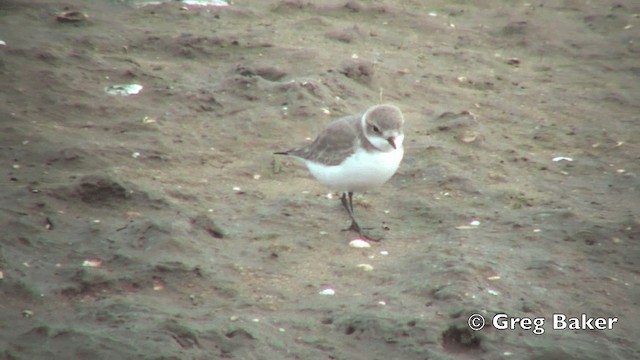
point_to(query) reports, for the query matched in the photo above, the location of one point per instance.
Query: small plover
(356, 153)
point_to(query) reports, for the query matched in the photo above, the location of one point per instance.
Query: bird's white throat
(383, 145)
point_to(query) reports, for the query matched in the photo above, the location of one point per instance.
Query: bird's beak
(392, 141)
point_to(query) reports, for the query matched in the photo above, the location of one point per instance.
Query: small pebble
(513, 61)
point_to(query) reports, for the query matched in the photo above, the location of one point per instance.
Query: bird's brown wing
(333, 144)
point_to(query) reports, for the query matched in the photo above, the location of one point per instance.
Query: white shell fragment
(561, 158)
(92, 263)
(359, 243)
(123, 90)
(206, 2)
(475, 223)
(157, 285)
(196, 3)
(327, 292)
(365, 267)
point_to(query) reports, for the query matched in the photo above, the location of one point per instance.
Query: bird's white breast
(361, 171)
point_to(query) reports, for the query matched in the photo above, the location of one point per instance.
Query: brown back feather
(334, 144)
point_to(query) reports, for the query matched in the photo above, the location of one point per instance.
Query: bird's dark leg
(348, 204)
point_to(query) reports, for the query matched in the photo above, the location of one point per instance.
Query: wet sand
(160, 225)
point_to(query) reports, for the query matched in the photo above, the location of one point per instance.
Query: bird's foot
(368, 233)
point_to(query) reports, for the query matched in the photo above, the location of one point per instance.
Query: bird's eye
(376, 129)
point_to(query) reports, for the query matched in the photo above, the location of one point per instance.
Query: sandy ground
(160, 225)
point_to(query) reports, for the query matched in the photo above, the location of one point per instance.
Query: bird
(356, 153)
